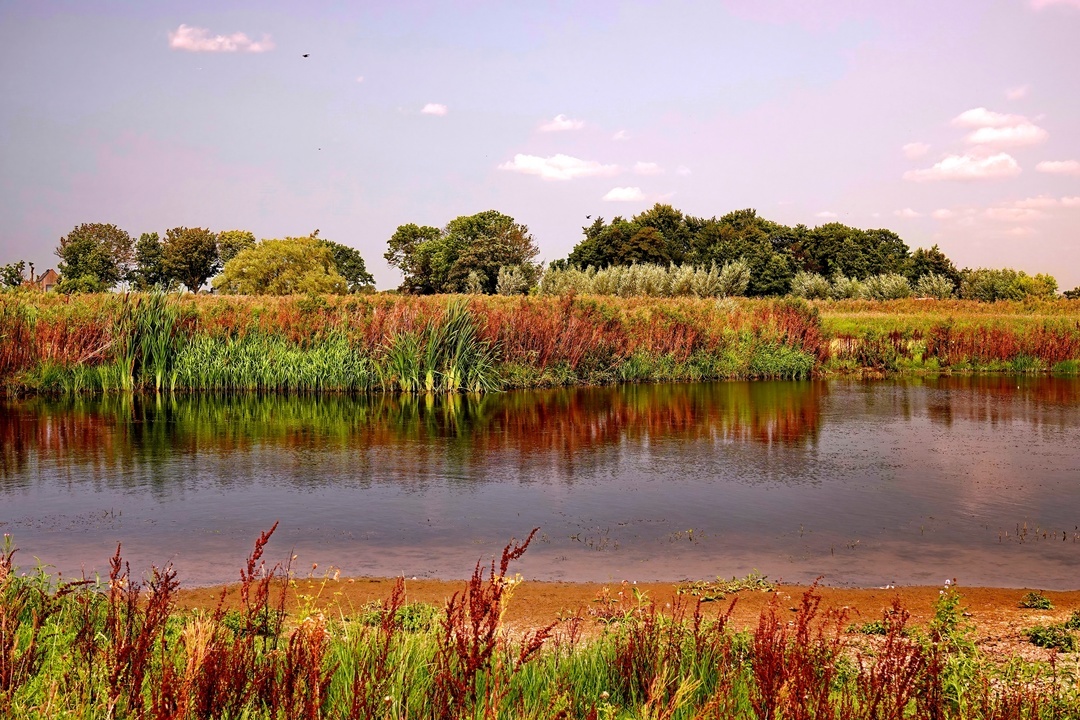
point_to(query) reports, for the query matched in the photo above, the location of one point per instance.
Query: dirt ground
(998, 620)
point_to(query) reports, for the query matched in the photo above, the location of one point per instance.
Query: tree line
(491, 252)
(96, 257)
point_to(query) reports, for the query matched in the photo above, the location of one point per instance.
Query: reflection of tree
(1001, 399)
(125, 431)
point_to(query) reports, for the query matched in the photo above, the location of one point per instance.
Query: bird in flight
(306, 55)
(588, 217)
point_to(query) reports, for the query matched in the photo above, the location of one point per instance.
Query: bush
(988, 285)
(810, 286)
(845, 288)
(887, 287)
(934, 286)
(512, 281)
(1054, 637)
(1036, 601)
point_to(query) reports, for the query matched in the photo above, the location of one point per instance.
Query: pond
(911, 481)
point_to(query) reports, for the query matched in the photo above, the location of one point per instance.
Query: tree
(349, 264)
(990, 285)
(1073, 294)
(94, 257)
(231, 242)
(11, 275)
(932, 261)
(404, 253)
(470, 246)
(190, 256)
(149, 271)
(289, 266)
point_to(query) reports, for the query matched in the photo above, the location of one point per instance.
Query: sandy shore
(998, 620)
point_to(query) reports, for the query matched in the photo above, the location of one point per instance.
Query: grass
(122, 649)
(402, 344)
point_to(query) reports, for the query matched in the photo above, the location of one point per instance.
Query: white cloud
(682, 170)
(621, 135)
(1036, 203)
(1024, 133)
(558, 167)
(1059, 167)
(943, 214)
(907, 213)
(967, 167)
(434, 109)
(561, 123)
(1018, 92)
(915, 150)
(1040, 4)
(624, 194)
(981, 117)
(1070, 202)
(826, 214)
(648, 168)
(1013, 214)
(195, 39)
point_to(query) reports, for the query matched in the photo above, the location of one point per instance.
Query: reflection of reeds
(123, 650)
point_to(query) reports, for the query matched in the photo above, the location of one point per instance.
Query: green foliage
(290, 266)
(810, 286)
(149, 272)
(232, 242)
(710, 590)
(932, 285)
(1073, 622)
(845, 288)
(649, 280)
(1036, 601)
(12, 275)
(473, 246)
(350, 265)
(989, 285)
(410, 617)
(1073, 294)
(190, 256)
(94, 257)
(1054, 637)
(513, 280)
(933, 262)
(891, 286)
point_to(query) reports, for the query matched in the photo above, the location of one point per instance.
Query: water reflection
(866, 482)
(122, 432)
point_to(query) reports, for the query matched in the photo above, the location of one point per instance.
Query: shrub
(512, 280)
(1055, 637)
(934, 286)
(887, 287)
(845, 288)
(1036, 601)
(810, 286)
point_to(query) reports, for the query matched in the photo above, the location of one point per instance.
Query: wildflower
(388, 699)
(604, 696)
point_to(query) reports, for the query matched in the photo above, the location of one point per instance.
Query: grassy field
(122, 649)
(109, 342)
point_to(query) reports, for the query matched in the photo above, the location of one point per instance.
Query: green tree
(350, 265)
(743, 235)
(94, 257)
(149, 269)
(1073, 294)
(11, 275)
(289, 266)
(231, 242)
(190, 256)
(932, 261)
(470, 246)
(990, 285)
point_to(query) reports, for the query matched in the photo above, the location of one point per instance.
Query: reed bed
(121, 648)
(404, 344)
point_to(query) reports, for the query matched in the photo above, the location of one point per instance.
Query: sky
(951, 122)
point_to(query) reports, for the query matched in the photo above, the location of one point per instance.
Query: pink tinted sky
(953, 123)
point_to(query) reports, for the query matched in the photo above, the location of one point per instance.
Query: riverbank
(499, 646)
(998, 622)
(106, 343)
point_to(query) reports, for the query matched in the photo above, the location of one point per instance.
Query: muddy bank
(994, 613)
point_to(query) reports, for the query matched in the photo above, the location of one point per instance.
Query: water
(907, 482)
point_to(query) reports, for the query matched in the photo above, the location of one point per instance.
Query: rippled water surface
(912, 481)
